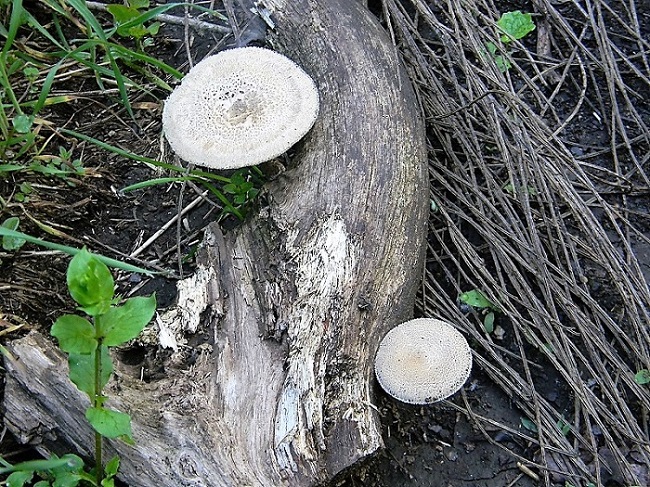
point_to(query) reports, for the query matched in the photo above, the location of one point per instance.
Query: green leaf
(12, 167)
(82, 371)
(564, 427)
(139, 4)
(66, 479)
(516, 25)
(19, 479)
(109, 423)
(22, 123)
(123, 323)
(43, 465)
(112, 466)
(74, 463)
(108, 482)
(477, 299)
(12, 243)
(642, 377)
(75, 334)
(154, 28)
(30, 73)
(488, 322)
(90, 283)
(121, 13)
(230, 188)
(528, 424)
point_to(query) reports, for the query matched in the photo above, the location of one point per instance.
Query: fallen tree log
(296, 299)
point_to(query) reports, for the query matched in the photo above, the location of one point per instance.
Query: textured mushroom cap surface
(239, 108)
(423, 361)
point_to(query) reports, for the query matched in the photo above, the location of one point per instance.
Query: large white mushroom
(239, 108)
(423, 361)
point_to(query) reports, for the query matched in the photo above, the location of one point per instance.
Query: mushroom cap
(239, 108)
(423, 361)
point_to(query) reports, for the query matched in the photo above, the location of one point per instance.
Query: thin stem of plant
(97, 403)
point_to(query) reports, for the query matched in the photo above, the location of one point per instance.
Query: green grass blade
(121, 85)
(153, 182)
(45, 89)
(11, 167)
(128, 53)
(35, 465)
(130, 155)
(227, 205)
(83, 10)
(72, 251)
(209, 175)
(88, 17)
(15, 21)
(52, 100)
(35, 24)
(147, 160)
(122, 152)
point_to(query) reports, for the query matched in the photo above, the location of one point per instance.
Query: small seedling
(86, 340)
(514, 25)
(476, 299)
(126, 18)
(62, 165)
(242, 189)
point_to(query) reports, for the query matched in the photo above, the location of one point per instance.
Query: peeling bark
(296, 299)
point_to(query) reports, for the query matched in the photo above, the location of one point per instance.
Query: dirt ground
(436, 445)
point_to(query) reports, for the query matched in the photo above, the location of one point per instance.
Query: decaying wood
(296, 299)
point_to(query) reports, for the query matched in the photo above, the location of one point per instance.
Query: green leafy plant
(128, 19)
(61, 165)
(241, 187)
(476, 299)
(107, 322)
(514, 25)
(67, 471)
(87, 339)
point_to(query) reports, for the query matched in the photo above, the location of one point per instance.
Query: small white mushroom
(239, 108)
(423, 361)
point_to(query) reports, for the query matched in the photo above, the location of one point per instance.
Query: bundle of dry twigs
(547, 224)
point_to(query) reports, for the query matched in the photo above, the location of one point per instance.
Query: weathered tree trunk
(296, 299)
